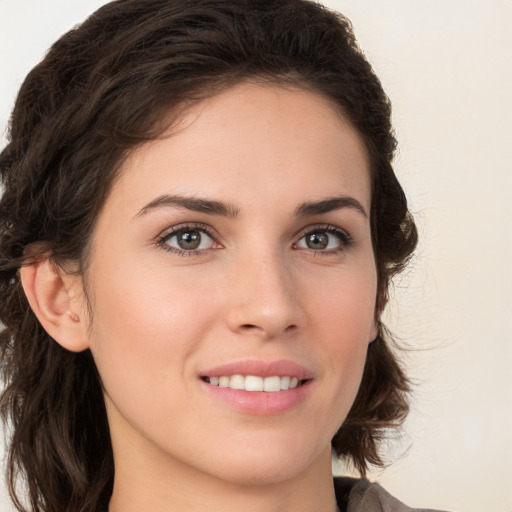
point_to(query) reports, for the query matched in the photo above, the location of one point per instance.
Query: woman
(199, 224)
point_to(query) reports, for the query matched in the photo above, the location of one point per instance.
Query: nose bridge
(264, 300)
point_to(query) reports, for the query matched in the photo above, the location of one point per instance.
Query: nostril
(252, 327)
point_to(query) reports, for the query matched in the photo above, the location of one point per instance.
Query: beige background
(446, 66)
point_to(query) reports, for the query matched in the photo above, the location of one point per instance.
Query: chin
(269, 465)
(259, 475)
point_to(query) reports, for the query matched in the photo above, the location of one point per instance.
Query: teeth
(255, 383)
(237, 382)
(285, 382)
(272, 384)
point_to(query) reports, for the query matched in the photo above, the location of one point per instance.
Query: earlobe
(52, 295)
(374, 332)
(380, 304)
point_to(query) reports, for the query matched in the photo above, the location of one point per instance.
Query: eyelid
(174, 230)
(346, 240)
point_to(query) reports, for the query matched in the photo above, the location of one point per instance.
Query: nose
(264, 298)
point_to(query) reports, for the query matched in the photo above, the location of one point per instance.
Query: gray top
(355, 495)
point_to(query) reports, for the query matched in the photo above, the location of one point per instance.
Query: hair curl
(105, 87)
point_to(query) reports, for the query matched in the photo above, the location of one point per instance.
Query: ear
(56, 298)
(380, 304)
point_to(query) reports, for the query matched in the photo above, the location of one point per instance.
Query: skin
(254, 290)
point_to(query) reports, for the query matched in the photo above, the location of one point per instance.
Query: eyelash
(161, 241)
(344, 238)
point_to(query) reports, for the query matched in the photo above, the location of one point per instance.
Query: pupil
(189, 239)
(317, 241)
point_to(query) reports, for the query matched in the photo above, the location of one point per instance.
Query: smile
(271, 384)
(259, 387)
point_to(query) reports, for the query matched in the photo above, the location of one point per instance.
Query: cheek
(344, 303)
(344, 319)
(144, 329)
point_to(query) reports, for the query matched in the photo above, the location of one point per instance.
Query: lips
(259, 387)
(281, 367)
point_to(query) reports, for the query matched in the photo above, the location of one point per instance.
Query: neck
(157, 484)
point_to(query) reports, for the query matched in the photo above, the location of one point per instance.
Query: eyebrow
(223, 209)
(191, 203)
(328, 205)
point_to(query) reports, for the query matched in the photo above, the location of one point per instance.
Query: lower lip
(260, 403)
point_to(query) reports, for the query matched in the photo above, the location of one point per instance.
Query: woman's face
(238, 246)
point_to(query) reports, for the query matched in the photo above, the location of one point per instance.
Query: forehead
(251, 139)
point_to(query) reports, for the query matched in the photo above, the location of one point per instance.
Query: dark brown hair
(104, 88)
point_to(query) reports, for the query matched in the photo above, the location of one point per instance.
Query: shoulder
(360, 495)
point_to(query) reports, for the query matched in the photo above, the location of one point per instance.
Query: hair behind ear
(381, 405)
(51, 395)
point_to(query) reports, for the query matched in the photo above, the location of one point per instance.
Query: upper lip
(280, 367)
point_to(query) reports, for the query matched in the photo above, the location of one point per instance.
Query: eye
(328, 239)
(187, 240)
